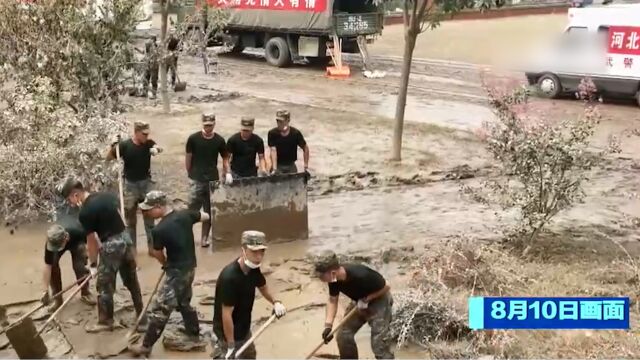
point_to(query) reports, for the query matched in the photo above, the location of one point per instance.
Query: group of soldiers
(91, 227)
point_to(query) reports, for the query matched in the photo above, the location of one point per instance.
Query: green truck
(290, 29)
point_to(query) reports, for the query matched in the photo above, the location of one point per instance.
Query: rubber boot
(191, 324)
(88, 298)
(105, 318)
(57, 302)
(139, 350)
(206, 228)
(143, 325)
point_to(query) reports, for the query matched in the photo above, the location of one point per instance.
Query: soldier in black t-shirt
(201, 161)
(234, 297)
(108, 241)
(243, 148)
(173, 235)
(136, 155)
(369, 292)
(284, 141)
(66, 235)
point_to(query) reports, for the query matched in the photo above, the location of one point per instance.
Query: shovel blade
(25, 341)
(180, 86)
(275, 205)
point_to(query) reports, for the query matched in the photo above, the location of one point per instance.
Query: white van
(602, 43)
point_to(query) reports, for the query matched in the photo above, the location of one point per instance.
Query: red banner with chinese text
(624, 40)
(286, 5)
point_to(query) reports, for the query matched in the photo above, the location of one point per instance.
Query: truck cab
(602, 43)
(291, 29)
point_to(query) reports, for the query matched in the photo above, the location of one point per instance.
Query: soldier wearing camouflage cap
(108, 242)
(174, 248)
(369, 292)
(284, 141)
(136, 153)
(234, 297)
(66, 235)
(243, 148)
(201, 160)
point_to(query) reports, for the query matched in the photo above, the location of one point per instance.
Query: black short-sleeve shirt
(99, 214)
(77, 236)
(286, 146)
(175, 234)
(204, 156)
(361, 282)
(237, 289)
(137, 159)
(243, 154)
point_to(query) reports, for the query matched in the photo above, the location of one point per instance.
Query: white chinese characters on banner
(623, 58)
(286, 5)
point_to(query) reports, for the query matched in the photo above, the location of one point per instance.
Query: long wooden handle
(144, 311)
(120, 187)
(74, 293)
(338, 327)
(41, 305)
(255, 336)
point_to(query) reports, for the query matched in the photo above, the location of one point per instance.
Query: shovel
(74, 293)
(255, 336)
(338, 327)
(40, 306)
(144, 311)
(179, 85)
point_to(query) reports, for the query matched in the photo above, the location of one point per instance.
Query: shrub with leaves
(82, 47)
(543, 164)
(61, 66)
(41, 143)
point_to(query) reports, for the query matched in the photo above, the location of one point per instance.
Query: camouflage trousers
(151, 76)
(287, 169)
(378, 315)
(116, 255)
(220, 349)
(200, 193)
(174, 294)
(134, 193)
(79, 264)
(172, 67)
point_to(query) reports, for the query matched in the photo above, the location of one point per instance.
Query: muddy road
(360, 203)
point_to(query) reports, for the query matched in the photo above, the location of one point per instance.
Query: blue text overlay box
(548, 313)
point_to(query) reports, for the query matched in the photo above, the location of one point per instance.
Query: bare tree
(420, 16)
(166, 104)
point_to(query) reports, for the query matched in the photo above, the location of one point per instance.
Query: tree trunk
(166, 105)
(203, 37)
(409, 46)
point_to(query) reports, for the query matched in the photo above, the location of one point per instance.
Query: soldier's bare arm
(332, 310)
(46, 277)
(93, 247)
(266, 294)
(227, 325)
(262, 164)
(187, 162)
(306, 154)
(274, 157)
(158, 255)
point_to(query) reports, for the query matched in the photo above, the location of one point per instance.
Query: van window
(577, 30)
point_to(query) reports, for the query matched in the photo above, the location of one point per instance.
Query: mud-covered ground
(361, 204)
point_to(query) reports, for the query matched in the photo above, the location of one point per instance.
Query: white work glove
(93, 271)
(155, 150)
(362, 304)
(279, 309)
(228, 179)
(230, 353)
